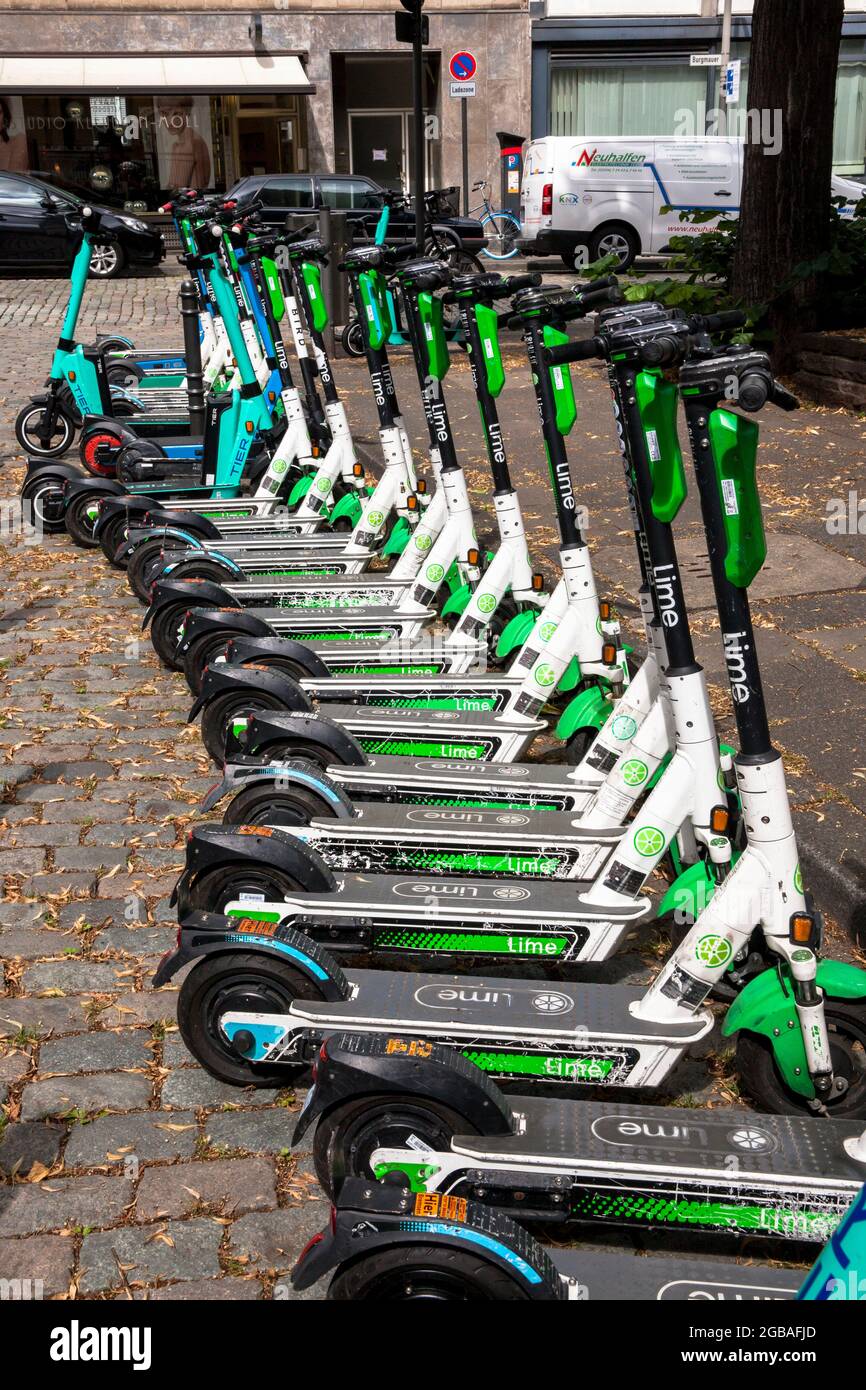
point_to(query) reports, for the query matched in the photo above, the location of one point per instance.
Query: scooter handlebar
(581, 351)
(719, 323)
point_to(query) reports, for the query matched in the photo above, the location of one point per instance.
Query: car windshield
(62, 194)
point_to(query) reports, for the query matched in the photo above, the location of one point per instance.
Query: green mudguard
(349, 506)
(515, 633)
(766, 1006)
(589, 709)
(398, 538)
(300, 490)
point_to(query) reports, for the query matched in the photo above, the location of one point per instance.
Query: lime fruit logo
(798, 879)
(323, 485)
(279, 465)
(719, 842)
(423, 542)
(634, 772)
(649, 841)
(434, 573)
(713, 951)
(487, 603)
(375, 519)
(546, 631)
(544, 674)
(624, 727)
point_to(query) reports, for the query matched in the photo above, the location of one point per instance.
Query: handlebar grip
(609, 295)
(581, 351)
(728, 318)
(395, 254)
(581, 308)
(523, 282)
(604, 282)
(783, 398)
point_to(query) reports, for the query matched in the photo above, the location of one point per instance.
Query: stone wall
(831, 369)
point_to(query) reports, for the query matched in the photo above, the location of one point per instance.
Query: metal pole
(464, 132)
(192, 350)
(418, 115)
(726, 58)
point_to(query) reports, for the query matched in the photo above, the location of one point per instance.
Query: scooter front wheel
(846, 1025)
(352, 339)
(348, 1136)
(27, 425)
(406, 1273)
(237, 981)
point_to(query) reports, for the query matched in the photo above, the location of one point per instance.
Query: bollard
(192, 349)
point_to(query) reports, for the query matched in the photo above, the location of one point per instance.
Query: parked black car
(35, 233)
(360, 198)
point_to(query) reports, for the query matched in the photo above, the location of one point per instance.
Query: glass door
(377, 146)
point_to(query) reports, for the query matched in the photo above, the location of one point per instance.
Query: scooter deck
(449, 783)
(379, 617)
(477, 1014)
(611, 1276)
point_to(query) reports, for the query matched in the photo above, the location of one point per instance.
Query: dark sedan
(35, 234)
(360, 198)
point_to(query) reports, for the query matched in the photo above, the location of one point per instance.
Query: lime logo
(423, 542)
(435, 573)
(487, 603)
(713, 951)
(375, 519)
(634, 772)
(544, 674)
(719, 842)
(754, 1139)
(649, 841)
(546, 631)
(624, 727)
(798, 879)
(279, 466)
(323, 485)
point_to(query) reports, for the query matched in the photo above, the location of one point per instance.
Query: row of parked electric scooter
(372, 722)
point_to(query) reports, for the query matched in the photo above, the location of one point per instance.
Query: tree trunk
(785, 206)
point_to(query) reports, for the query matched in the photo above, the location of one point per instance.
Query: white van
(605, 194)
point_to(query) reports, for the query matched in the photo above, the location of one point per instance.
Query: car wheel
(106, 261)
(614, 239)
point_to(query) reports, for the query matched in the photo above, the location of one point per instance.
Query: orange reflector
(538, 583)
(801, 929)
(272, 395)
(473, 557)
(249, 426)
(421, 486)
(604, 610)
(412, 502)
(71, 376)
(608, 654)
(357, 470)
(719, 820)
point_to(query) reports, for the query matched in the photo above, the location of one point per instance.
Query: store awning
(129, 74)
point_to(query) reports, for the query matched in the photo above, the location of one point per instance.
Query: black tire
(270, 805)
(26, 421)
(237, 980)
(107, 261)
(318, 754)
(42, 503)
(222, 884)
(125, 374)
(615, 238)
(90, 441)
(80, 518)
(276, 661)
(111, 538)
(205, 649)
(349, 1134)
(408, 1272)
(352, 339)
(164, 632)
(145, 565)
(218, 714)
(202, 568)
(579, 744)
(846, 1024)
(567, 257)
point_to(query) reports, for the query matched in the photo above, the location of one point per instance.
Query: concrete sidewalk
(162, 1180)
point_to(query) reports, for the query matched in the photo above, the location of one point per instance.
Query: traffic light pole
(418, 118)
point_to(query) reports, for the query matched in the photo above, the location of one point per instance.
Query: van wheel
(614, 239)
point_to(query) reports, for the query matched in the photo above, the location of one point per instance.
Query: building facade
(622, 67)
(126, 103)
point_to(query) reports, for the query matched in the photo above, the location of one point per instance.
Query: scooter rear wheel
(80, 517)
(219, 714)
(165, 632)
(88, 447)
(144, 566)
(290, 805)
(408, 1273)
(215, 888)
(42, 503)
(846, 1024)
(347, 1136)
(237, 981)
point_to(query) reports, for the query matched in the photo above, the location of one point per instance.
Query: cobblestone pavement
(127, 1168)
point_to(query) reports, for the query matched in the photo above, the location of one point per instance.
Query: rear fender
(352, 1065)
(290, 771)
(457, 601)
(398, 536)
(200, 526)
(219, 678)
(216, 846)
(209, 933)
(240, 650)
(99, 487)
(232, 618)
(515, 633)
(269, 729)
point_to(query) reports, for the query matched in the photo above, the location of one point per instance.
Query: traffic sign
(463, 89)
(462, 66)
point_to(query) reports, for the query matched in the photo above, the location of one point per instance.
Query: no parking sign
(462, 66)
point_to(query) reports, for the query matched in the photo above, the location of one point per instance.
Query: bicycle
(501, 227)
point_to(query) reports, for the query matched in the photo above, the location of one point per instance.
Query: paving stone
(12, 1068)
(255, 1131)
(275, 1239)
(76, 771)
(62, 1202)
(95, 1052)
(72, 976)
(175, 1052)
(151, 1006)
(203, 1290)
(41, 1016)
(50, 835)
(98, 1091)
(24, 1143)
(155, 1135)
(20, 914)
(90, 857)
(13, 774)
(30, 943)
(238, 1185)
(44, 1260)
(22, 861)
(191, 1252)
(46, 885)
(187, 1089)
(136, 941)
(91, 913)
